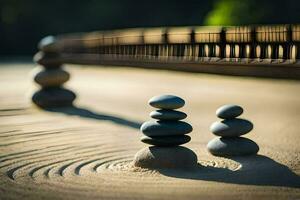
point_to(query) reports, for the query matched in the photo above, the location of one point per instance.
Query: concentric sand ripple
(65, 161)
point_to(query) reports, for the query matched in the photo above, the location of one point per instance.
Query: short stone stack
(51, 77)
(166, 134)
(230, 129)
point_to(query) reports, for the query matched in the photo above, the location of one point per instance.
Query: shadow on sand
(82, 112)
(256, 170)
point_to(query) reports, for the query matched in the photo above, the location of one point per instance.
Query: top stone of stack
(229, 111)
(48, 44)
(166, 102)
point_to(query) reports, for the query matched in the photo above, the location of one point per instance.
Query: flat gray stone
(51, 77)
(48, 44)
(168, 114)
(237, 146)
(167, 102)
(165, 128)
(229, 111)
(48, 59)
(231, 127)
(165, 158)
(166, 140)
(53, 97)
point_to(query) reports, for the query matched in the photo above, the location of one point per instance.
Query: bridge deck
(85, 151)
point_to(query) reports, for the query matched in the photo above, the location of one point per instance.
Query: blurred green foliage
(241, 12)
(24, 22)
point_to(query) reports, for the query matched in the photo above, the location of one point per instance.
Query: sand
(85, 152)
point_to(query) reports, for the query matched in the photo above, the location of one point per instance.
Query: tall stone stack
(51, 77)
(230, 129)
(166, 133)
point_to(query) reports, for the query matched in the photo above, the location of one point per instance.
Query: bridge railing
(276, 43)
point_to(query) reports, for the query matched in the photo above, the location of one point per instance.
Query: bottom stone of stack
(233, 146)
(53, 97)
(165, 158)
(165, 141)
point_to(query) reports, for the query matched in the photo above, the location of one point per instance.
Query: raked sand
(86, 152)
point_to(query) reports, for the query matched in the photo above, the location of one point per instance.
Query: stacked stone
(51, 77)
(230, 129)
(166, 133)
(167, 130)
